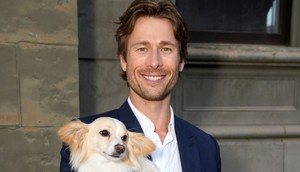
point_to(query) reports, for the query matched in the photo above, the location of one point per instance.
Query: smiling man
(153, 61)
(152, 45)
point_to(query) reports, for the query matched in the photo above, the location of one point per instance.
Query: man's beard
(149, 94)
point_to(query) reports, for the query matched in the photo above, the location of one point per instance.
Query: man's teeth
(153, 78)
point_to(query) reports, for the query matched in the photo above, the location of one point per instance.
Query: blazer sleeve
(65, 159)
(218, 156)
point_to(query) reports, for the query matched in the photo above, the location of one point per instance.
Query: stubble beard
(152, 94)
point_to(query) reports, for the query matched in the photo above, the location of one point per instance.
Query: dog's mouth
(115, 155)
(118, 153)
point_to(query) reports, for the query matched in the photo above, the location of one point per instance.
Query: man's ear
(123, 63)
(181, 65)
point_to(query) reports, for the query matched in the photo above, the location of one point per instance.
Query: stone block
(97, 28)
(49, 84)
(252, 156)
(291, 155)
(39, 21)
(101, 87)
(238, 96)
(9, 92)
(29, 149)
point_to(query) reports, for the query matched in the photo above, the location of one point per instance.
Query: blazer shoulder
(194, 131)
(121, 113)
(91, 118)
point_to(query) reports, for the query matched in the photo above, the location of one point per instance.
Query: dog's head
(109, 137)
(105, 136)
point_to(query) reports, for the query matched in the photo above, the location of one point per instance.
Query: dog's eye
(104, 133)
(124, 138)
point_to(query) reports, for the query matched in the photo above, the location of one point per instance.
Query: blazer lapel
(128, 118)
(189, 156)
(126, 115)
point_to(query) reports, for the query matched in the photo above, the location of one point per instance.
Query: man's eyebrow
(168, 43)
(141, 43)
(161, 43)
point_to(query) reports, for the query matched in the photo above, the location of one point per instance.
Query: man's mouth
(153, 78)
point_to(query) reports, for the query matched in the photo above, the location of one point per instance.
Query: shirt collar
(146, 123)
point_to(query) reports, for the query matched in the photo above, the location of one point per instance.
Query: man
(152, 45)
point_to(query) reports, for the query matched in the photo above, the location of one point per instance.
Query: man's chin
(155, 97)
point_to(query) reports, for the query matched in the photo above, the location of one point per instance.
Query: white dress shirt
(166, 156)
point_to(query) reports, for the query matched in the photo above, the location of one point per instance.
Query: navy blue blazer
(199, 152)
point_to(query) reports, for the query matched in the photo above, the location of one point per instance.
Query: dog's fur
(106, 145)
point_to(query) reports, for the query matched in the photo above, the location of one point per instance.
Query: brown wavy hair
(150, 8)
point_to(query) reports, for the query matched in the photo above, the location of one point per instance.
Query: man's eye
(166, 50)
(142, 50)
(104, 133)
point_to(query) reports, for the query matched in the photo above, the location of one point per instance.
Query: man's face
(153, 61)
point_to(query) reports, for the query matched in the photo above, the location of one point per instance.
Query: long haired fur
(105, 144)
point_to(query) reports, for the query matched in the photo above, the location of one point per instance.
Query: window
(237, 21)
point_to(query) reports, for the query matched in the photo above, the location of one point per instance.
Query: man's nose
(154, 60)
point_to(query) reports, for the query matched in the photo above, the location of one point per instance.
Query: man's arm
(65, 159)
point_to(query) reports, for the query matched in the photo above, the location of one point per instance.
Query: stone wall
(39, 81)
(246, 96)
(40, 88)
(101, 87)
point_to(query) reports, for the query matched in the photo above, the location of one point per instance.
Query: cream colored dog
(105, 145)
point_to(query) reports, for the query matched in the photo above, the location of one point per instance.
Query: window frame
(281, 38)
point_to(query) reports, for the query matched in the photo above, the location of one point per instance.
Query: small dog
(106, 145)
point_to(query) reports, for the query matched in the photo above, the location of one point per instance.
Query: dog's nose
(120, 148)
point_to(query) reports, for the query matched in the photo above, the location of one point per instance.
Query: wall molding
(243, 54)
(254, 131)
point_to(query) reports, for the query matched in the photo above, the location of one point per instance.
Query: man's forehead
(169, 43)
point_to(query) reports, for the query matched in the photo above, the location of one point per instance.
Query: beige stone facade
(58, 61)
(39, 81)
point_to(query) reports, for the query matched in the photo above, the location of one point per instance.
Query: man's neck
(157, 111)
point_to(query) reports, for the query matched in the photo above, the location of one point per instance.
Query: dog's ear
(140, 144)
(73, 133)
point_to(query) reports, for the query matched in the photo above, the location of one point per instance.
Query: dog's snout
(120, 148)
